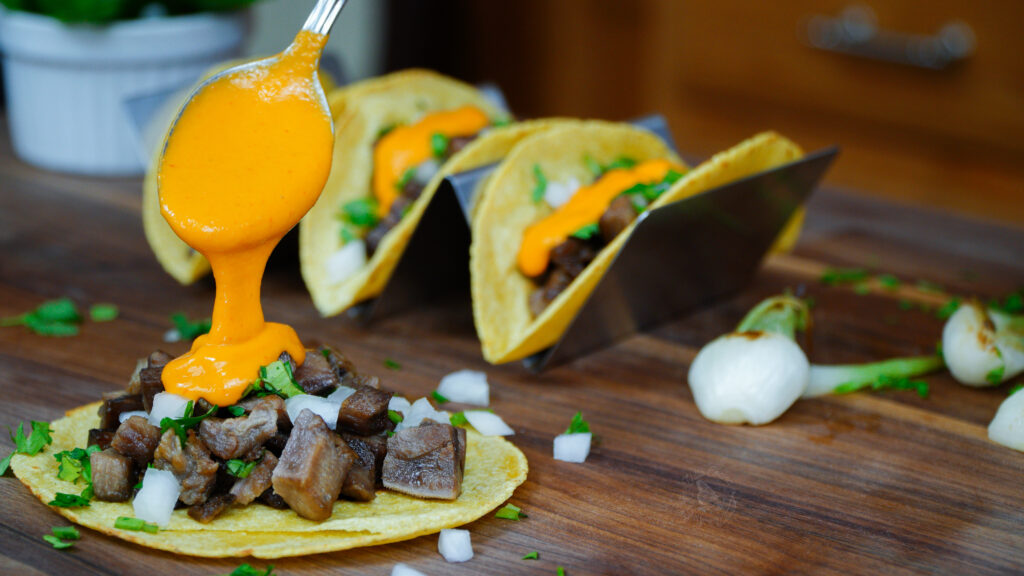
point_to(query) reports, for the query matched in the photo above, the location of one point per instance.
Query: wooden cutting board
(873, 483)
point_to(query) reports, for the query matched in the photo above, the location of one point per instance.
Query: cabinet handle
(855, 32)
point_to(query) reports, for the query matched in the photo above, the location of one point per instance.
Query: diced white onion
(167, 405)
(488, 423)
(346, 261)
(339, 395)
(467, 387)
(399, 404)
(425, 171)
(405, 570)
(558, 193)
(1007, 428)
(126, 415)
(155, 501)
(419, 411)
(172, 335)
(322, 407)
(572, 447)
(454, 545)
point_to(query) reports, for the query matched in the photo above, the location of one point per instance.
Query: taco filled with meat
(559, 208)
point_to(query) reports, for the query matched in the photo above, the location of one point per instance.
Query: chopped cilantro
(639, 202)
(499, 122)
(948, 309)
(57, 543)
(532, 555)
(236, 410)
(560, 571)
(906, 304)
(135, 524)
(995, 376)
(389, 433)
(62, 500)
(29, 445)
(510, 512)
(247, 570)
(837, 276)
(939, 352)
(347, 235)
(277, 378)
(587, 232)
(384, 131)
(540, 184)
(438, 144)
(651, 191)
(888, 281)
(1015, 388)
(52, 318)
(593, 166)
(392, 364)
(103, 312)
(578, 425)
(861, 289)
(458, 419)
(927, 286)
(395, 417)
(438, 396)
(1012, 304)
(181, 425)
(189, 329)
(620, 163)
(241, 468)
(407, 177)
(885, 382)
(74, 464)
(66, 532)
(361, 213)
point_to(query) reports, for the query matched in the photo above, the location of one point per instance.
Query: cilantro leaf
(540, 184)
(5, 464)
(189, 329)
(52, 318)
(103, 312)
(593, 166)
(395, 417)
(1015, 388)
(499, 122)
(441, 399)
(888, 281)
(438, 144)
(995, 376)
(57, 543)
(578, 425)
(510, 512)
(241, 468)
(928, 286)
(247, 570)
(458, 419)
(532, 555)
(181, 425)
(236, 410)
(135, 524)
(66, 532)
(361, 213)
(278, 378)
(837, 276)
(392, 364)
(560, 571)
(29, 445)
(407, 177)
(62, 500)
(620, 163)
(587, 232)
(948, 309)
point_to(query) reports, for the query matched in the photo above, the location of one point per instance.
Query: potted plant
(70, 66)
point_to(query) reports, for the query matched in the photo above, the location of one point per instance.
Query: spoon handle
(323, 16)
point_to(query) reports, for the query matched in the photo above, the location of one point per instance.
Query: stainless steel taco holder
(679, 257)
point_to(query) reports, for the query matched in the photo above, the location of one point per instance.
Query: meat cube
(134, 386)
(100, 438)
(205, 512)
(257, 482)
(338, 361)
(273, 401)
(159, 359)
(276, 443)
(231, 438)
(150, 383)
(287, 359)
(315, 375)
(427, 461)
(114, 404)
(573, 256)
(311, 470)
(112, 476)
(360, 481)
(272, 499)
(457, 143)
(137, 439)
(365, 412)
(616, 218)
(370, 450)
(376, 235)
(192, 466)
(544, 295)
(357, 381)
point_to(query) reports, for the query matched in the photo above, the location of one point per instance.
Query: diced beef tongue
(206, 511)
(315, 375)
(357, 381)
(427, 461)
(137, 439)
(150, 383)
(159, 359)
(192, 466)
(339, 362)
(365, 412)
(100, 438)
(619, 215)
(272, 401)
(134, 386)
(112, 476)
(116, 403)
(312, 470)
(231, 438)
(371, 451)
(276, 443)
(394, 216)
(257, 482)
(573, 256)
(287, 359)
(542, 296)
(360, 482)
(272, 499)
(457, 143)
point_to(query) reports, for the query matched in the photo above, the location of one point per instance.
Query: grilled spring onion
(983, 347)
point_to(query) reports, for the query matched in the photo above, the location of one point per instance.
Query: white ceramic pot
(67, 84)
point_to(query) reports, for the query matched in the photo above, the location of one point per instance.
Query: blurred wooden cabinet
(724, 69)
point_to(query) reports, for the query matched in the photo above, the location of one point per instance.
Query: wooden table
(868, 483)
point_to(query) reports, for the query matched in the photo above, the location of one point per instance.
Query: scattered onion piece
(419, 411)
(346, 261)
(155, 501)
(322, 407)
(558, 193)
(573, 447)
(126, 415)
(467, 387)
(399, 404)
(454, 545)
(1007, 428)
(405, 570)
(341, 394)
(167, 405)
(488, 423)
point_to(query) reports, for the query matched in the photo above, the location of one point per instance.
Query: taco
(560, 207)
(325, 469)
(396, 138)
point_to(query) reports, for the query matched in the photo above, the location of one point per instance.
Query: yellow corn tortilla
(364, 110)
(507, 329)
(178, 259)
(494, 468)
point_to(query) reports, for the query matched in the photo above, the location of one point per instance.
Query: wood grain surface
(883, 483)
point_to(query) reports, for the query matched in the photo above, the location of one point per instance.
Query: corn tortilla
(506, 327)
(494, 468)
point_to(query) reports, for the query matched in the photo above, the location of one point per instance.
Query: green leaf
(587, 232)
(593, 166)
(62, 500)
(5, 464)
(540, 184)
(385, 130)
(1011, 304)
(189, 329)
(395, 417)
(888, 281)
(31, 445)
(931, 287)
(57, 543)
(66, 532)
(361, 213)
(61, 310)
(278, 377)
(499, 122)
(241, 468)
(438, 396)
(236, 410)
(407, 177)
(458, 419)
(347, 235)
(135, 524)
(948, 309)
(510, 512)
(995, 376)
(532, 555)
(886, 382)
(247, 570)
(392, 364)
(622, 162)
(578, 425)
(1015, 388)
(103, 312)
(438, 144)
(837, 276)
(560, 571)
(181, 425)
(52, 318)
